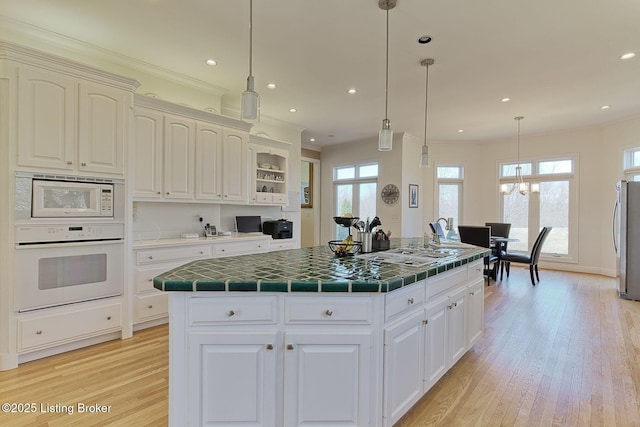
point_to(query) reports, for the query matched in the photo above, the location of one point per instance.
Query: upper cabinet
(184, 154)
(269, 162)
(69, 123)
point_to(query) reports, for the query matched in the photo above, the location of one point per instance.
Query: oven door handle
(22, 246)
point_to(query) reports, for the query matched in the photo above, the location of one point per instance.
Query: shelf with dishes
(269, 176)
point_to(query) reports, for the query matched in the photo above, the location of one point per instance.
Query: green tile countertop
(314, 269)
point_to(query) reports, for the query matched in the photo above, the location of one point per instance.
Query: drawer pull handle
(201, 252)
(269, 346)
(289, 346)
(410, 301)
(150, 307)
(108, 317)
(69, 162)
(425, 322)
(151, 280)
(231, 313)
(150, 257)
(328, 313)
(38, 332)
(83, 164)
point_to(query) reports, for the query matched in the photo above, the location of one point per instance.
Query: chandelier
(518, 182)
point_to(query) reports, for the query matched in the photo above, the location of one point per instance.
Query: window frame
(449, 181)
(534, 202)
(355, 182)
(631, 172)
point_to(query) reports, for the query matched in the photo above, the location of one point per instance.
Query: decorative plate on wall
(390, 194)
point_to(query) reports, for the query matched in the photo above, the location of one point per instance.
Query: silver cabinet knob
(269, 346)
(150, 307)
(328, 313)
(410, 301)
(150, 257)
(83, 164)
(231, 313)
(69, 162)
(108, 317)
(38, 332)
(289, 346)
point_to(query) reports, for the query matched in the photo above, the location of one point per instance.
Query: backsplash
(156, 220)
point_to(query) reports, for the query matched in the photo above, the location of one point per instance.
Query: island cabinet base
(317, 359)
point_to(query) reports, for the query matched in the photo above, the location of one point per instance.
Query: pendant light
(385, 138)
(250, 98)
(424, 158)
(518, 182)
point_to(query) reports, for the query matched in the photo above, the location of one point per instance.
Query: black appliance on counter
(280, 229)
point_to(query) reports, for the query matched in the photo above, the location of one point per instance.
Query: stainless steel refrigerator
(626, 238)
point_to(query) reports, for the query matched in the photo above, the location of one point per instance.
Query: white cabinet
(223, 367)
(150, 304)
(403, 355)
(209, 162)
(327, 378)
(179, 156)
(445, 330)
(70, 124)
(269, 173)
(475, 311)
(223, 248)
(234, 159)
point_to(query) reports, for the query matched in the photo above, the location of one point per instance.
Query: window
(449, 180)
(552, 206)
(632, 164)
(355, 189)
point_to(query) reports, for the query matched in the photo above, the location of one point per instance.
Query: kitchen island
(302, 337)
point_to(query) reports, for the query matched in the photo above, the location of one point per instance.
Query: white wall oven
(69, 240)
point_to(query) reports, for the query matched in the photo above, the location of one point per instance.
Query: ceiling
(558, 61)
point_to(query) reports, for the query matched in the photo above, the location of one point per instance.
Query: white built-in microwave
(67, 197)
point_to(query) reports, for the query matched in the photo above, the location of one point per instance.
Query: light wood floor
(565, 353)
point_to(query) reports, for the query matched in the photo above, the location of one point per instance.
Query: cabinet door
(457, 326)
(179, 140)
(101, 129)
(436, 342)
(232, 379)
(327, 378)
(475, 312)
(234, 154)
(47, 117)
(147, 154)
(209, 162)
(403, 364)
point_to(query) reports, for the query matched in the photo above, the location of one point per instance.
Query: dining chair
(480, 236)
(532, 258)
(499, 229)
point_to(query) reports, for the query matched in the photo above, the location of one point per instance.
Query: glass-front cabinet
(269, 169)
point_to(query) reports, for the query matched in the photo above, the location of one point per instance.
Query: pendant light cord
(426, 104)
(386, 90)
(250, 37)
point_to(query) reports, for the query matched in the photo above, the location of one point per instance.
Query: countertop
(314, 269)
(158, 243)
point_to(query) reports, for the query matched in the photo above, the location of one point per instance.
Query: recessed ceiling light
(424, 39)
(271, 85)
(605, 107)
(628, 55)
(505, 100)
(351, 91)
(460, 130)
(312, 140)
(292, 110)
(211, 62)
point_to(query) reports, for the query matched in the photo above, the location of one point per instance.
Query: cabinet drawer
(404, 300)
(262, 197)
(150, 306)
(445, 281)
(280, 198)
(280, 245)
(58, 326)
(221, 249)
(232, 310)
(149, 256)
(145, 275)
(346, 309)
(476, 270)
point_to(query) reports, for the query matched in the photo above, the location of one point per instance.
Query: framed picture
(413, 195)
